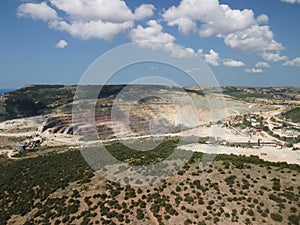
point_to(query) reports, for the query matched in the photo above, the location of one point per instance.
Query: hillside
(32, 100)
(268, 93)
(35, 100)
(60, 188)
(293, 115)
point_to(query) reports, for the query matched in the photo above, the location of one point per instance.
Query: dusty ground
(227, 134)
(272, 154)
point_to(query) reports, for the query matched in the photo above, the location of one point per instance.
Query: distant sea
(2, 91)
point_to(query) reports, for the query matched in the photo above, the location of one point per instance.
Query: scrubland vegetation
(60, 188)
(293, 115)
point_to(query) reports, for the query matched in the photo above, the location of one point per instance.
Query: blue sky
(244, 42)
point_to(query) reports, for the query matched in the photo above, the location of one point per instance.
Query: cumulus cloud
(272, 56)
(92, 29)
(254, 70)
(186, 25)
(87, 19)
(215, 18)
(291, 1)
(200, 52)
(112, 11)
(212, 58)
(262, 65)
(294, 62)
(254, 39)
(239, 28)
(61, 44)
(263, 19)
(153, 37)
(144, 11)
(39, 11)
(233, 63)
(154, 32)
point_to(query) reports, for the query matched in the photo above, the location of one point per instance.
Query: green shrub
(294, 219)
(276, 217)
(140, 214)
(230, 180)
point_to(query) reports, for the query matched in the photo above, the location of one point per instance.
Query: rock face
(60, 124)
(143, 119)
(127, 113)
(119, 109)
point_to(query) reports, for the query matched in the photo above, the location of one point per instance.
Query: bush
(276, 184)
(167, 217)
(216, 219)
(250, 212)
(140, 214)
(188, 221)
(293, 209)
(294, 219)
(276, 198)
(230, 180)
(276, 217)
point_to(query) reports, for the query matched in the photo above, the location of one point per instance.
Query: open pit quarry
(141, 112)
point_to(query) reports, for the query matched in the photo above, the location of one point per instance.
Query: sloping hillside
(32, 100)
(293, 114)
(35, 100)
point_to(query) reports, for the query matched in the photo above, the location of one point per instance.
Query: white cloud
(254, 39)
(153, 37)
(294, 62)
(254, 70)
(239, 28)
(212, 58)
(262, 65)
(200, 53)
(291, 1)
(263, 19)
(233, 63)
(86, 19)
(272, 56)
(179, 52)
(144, 11)
(215, 18)
(186, 25)
(61, 44)
(91, 29)
(106, 11)
(37, 11)
(154, 32)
